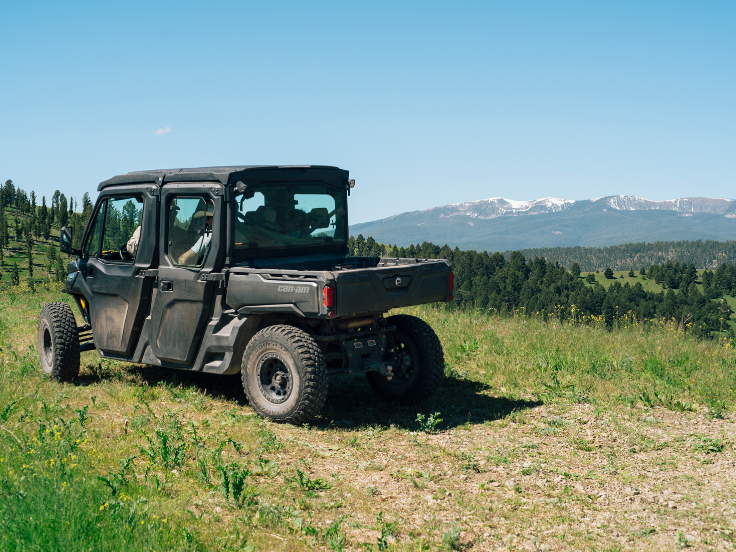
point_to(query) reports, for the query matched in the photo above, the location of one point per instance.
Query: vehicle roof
(224, 175)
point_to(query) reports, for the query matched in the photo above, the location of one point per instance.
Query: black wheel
(417, 359)
(284, 375)
(58, 342)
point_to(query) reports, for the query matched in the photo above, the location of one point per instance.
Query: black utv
(244, 269)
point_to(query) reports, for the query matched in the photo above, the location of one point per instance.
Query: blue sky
(426, 103)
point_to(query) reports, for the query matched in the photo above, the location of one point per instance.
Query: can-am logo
(294, 289)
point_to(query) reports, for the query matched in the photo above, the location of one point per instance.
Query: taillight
(328, 296)
(452, 286)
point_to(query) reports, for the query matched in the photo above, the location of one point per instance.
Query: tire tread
(65, 339)
(314, 374)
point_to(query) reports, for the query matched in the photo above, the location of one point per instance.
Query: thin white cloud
(162, 131)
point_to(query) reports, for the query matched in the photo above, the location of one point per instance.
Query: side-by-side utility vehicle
(244, 269)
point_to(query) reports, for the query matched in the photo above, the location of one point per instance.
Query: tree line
(537, 286)
(701, 253)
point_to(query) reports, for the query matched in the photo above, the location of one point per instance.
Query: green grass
(534, 423)
(622, 276)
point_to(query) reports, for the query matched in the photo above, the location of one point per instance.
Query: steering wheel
(124, 255)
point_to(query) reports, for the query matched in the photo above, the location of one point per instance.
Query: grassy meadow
(544, 436)
(622, 277)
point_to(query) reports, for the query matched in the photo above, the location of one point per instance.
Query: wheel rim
(275, 378)
(406, 360)
(48, 346)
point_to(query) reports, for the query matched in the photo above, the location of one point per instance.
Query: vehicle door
(192, 238)
(113, 264)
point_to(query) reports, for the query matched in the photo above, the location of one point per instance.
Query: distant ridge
(499, 224)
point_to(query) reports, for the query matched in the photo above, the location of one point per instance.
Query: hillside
(47, 260)
(499, 224)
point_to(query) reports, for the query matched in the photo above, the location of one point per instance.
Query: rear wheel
(417, 359)
(284, 375)
(58, 342)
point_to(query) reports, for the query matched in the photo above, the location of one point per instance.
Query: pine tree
(9, 192)
(15, 275)
(86, 208)
(29, 250)
(575, 270)
(359, 243)
(63, 211)
(631, 273)
(43, 212)
(33, 208)
(55, 201)
(60, 272)
(50, 258)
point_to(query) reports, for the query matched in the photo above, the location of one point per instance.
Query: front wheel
(58, 342)
(284, 375)
(417, 359)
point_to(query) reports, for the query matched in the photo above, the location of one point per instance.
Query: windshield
(290, 215)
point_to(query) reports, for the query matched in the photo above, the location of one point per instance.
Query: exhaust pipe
(357, 322)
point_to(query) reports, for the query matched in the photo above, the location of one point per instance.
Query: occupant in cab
(196, 253)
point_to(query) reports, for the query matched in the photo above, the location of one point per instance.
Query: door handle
(166, 285)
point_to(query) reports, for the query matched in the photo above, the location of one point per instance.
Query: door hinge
(149, 273)
(155, 191)
(212, 277)
(217, 191)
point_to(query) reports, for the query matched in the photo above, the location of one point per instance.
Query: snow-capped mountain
(500, 206)
(499, 223)
(681, 205)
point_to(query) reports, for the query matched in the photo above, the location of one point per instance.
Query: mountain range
(500, 224)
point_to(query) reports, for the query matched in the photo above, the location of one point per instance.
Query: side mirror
(65, 241)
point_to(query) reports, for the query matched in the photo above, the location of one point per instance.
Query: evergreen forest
(699, 302)
(702, 253)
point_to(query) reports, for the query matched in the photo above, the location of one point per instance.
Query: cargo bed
(361, 285)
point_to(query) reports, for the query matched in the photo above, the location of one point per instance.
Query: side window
(121, 232)
(190, 230)
(92, 245)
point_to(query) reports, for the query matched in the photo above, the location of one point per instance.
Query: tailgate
(383, 288)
